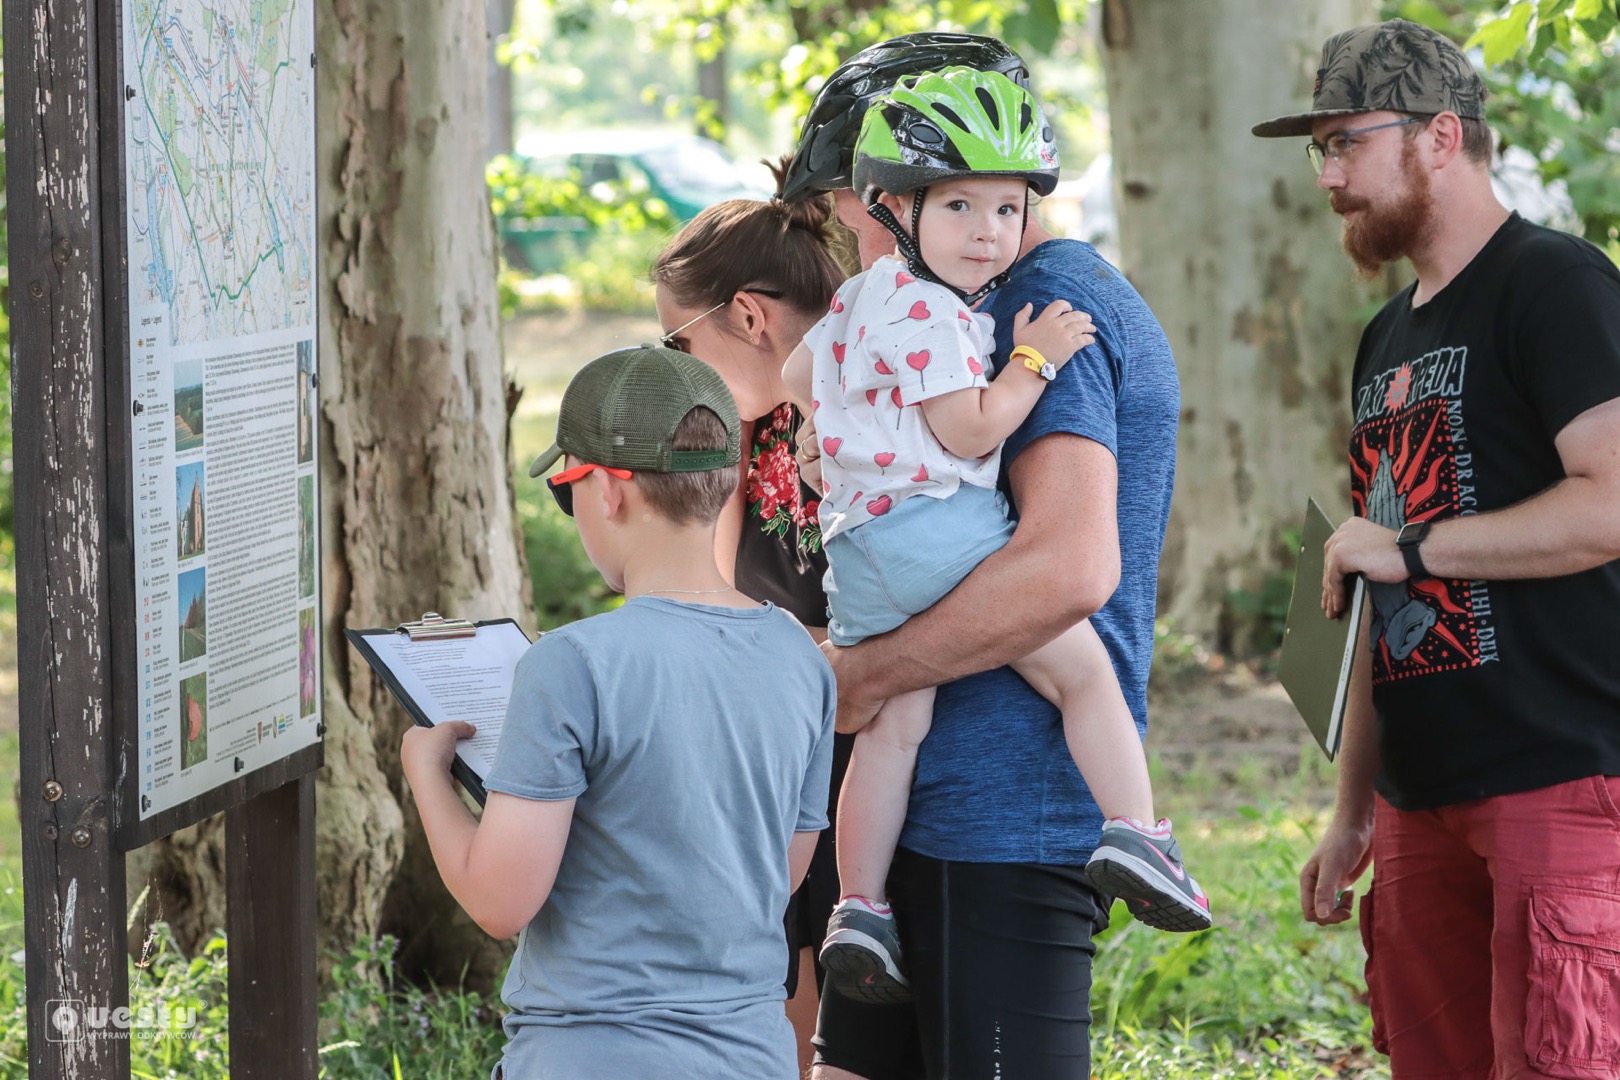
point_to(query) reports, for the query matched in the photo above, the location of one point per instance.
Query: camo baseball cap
(1395, 65)
(621, 410)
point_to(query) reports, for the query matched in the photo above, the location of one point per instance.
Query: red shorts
(1493, 936)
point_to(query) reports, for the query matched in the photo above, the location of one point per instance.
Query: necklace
(688, 592)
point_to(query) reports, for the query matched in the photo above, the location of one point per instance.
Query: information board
(218, 163)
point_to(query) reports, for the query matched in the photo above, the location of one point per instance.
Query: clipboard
(450, 669)
(1318, 652)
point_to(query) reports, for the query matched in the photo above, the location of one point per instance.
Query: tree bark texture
(415, 461)
(499, 15)
(1229, 240)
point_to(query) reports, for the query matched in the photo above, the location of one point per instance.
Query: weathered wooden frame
(76, 597)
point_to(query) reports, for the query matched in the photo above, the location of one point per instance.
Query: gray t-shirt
(697, 741)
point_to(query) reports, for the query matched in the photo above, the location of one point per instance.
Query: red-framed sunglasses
(562, 484)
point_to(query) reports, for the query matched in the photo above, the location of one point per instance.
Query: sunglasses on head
(562, 488)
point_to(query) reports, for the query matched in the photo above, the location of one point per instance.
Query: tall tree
(416, 471)
(1228, 239)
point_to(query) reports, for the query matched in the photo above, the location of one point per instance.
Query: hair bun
(811, 212)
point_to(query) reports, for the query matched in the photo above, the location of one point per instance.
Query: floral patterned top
(776, 497)
(779, 556)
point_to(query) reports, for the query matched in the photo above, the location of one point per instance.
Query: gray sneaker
(1145, 871)
(861, 953)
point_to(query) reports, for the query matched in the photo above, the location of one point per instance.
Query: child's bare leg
(1074, 673)
(861, 951)
(1137, 859)
(877, 786)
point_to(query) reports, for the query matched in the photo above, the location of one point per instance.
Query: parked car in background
(667, 173)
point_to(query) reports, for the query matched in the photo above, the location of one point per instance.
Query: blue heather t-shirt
(995, 781)
(697, 740)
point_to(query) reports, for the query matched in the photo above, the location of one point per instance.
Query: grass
(1263, 996)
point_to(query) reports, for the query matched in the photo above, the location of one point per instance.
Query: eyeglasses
(562, 485)
(1338, 145)
(673, 340)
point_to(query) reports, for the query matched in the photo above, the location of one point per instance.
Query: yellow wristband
(1031, 358)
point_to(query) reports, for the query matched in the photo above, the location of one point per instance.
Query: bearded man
(1482, 744)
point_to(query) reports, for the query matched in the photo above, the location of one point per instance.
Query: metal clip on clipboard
(435, 627)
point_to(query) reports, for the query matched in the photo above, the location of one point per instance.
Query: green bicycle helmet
(826, 149)
(946, 125)
(956, 122)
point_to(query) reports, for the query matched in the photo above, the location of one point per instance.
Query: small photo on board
(188, 491)
(193, 721)
(193, 613)
(309, 690)
(188, 405)
(306, 537)
(306, 401)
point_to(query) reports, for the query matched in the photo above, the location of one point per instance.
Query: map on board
(220, 157)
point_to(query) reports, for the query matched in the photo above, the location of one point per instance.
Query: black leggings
(1000, 957)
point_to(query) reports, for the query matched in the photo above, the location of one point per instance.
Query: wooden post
(270, 928)
(73, 878)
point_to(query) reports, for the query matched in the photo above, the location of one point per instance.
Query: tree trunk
(711, 84)
(499, 14)
(415, 462)
(1236, 250)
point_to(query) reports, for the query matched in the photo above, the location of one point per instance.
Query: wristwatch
(1037, 363)
(1408, 539)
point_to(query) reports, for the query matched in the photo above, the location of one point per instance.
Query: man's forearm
(1572, 526)
(1061, 565)
(1358, 745)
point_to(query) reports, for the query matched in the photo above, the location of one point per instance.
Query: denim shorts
(882, 572)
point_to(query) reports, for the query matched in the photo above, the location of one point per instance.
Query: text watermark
(69, 1020)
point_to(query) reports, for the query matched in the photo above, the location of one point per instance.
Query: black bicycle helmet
(825, 155)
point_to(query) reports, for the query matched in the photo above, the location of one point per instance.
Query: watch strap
(1414, 563)
(1408, 539)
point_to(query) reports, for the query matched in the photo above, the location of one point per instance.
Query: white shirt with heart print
(888, 343)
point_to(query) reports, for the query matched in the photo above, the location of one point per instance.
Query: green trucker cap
(1395, 65)
(622, 409)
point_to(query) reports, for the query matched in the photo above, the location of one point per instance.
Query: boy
(645, 825)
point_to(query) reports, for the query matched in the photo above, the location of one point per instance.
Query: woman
(738, 288)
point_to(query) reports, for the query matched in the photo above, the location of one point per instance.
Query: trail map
(219, 227)
(220, 146)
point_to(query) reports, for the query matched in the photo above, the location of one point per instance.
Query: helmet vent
(950, 114)
(989, 104)
(1026, 117)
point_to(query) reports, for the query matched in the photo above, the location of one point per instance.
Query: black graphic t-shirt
(1489, 687)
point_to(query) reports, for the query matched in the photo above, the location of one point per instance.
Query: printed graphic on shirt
(888, 343)
(1410, 461)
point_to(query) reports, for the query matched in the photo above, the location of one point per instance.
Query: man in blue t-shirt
(1000, 823)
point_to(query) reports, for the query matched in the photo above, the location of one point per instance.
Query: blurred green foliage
(599, 237)
(1552, 77)
(516, 191)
